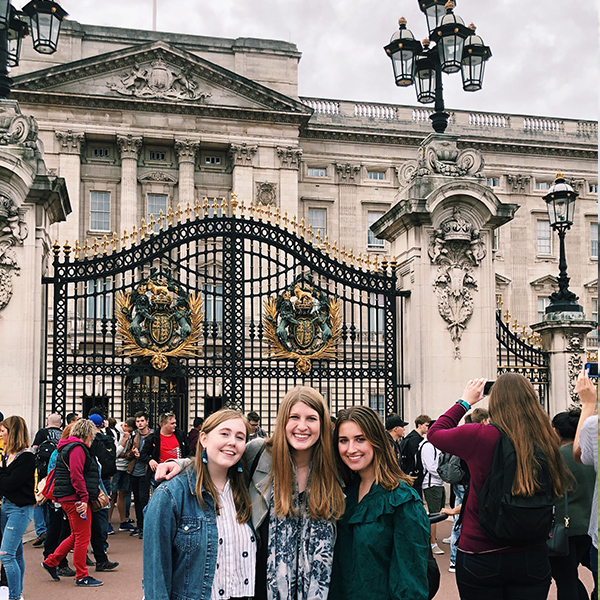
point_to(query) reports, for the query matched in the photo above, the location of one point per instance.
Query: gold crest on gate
(302, 324)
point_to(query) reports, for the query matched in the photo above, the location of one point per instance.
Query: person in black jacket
(408, 451)
(17, 475)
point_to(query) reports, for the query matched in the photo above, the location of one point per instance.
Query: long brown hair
(388, 473)
(241, 497)
(18, 436)
(515, 408)
(324, 491)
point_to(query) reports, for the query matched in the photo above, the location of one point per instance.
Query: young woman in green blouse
(383, 537)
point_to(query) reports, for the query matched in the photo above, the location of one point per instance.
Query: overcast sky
(545, 52)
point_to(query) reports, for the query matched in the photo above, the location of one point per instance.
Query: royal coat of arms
(158, 319)
(302, 324)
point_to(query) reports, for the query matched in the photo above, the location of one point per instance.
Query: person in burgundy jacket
(484, 568)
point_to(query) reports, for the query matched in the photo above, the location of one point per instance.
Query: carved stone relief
(129, 146)
(159, 81)
(456, 247)
(242, 154)
(519, 183)
(16, 128)
(577, 351)
(186, 150)
(346, 171)
(157, 176)
(70, 142)
(289, 157)
(266, 193)
(13, 231)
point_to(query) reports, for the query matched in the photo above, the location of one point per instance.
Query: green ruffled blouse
(382, 546)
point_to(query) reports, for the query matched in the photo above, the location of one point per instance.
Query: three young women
(382, 542)
(484, 568)
(17, 473)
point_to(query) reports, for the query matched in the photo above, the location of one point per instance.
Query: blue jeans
(459, 493)
(14, 520)
(40, 519)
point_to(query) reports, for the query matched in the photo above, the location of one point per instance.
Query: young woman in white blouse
(198, 539)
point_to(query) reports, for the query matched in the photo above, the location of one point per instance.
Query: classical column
(129, 147)
(70, 145)
(289, 162)
(242, 159)
(186, 150)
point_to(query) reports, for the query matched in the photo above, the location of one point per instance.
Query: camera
(487, 388)
(591, 370)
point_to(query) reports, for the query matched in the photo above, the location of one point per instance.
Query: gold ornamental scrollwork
(159, 320)
(302, 324)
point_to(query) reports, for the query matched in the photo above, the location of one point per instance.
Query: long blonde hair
(241, 497)
(324, 492)
(18, 436)
(515, 408)
(388, 473)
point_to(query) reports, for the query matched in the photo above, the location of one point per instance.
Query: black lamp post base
(564, 306)
(439, 120)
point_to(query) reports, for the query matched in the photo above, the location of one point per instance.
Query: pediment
(153, 73)
(502, 281)
(545, 282)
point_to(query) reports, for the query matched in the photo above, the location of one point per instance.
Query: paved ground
(125, 582)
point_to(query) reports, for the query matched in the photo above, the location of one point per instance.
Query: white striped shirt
(236, 554)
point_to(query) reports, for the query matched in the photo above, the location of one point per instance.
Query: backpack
(451, 469)
(42, 456)
(104, 450)
(515, 520)
(412, 464)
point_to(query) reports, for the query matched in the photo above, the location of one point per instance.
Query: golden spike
(234, 203)
(143, 229)
(359, 260)
(394, 263)
(197, 208)
(268, 213)
(86, 248)
(368, 262)
(376, 262)
(277, 216)
(334, 250)
(259, 211)
(161, 218)
(170, 215)
(151, 224)
(124, 239)
(327, 245)
(285, 220)
(104, 244)
(515, 324)
(77, 250)
(506, 316)
(251, 210)
(188, 211)
(56, 248)
(205, 206)
(66, 249)
(384, 264)
(242, 208)
(523, 330)
(499, 304)
(318, 241)
(343, 253)
(115, 241)
(133, 236)
(351, 257)
(178, 213)
(294, 224)
(302, 228)
(224, 206)
(95, 246)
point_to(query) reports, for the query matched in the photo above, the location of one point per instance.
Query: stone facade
(134, 120)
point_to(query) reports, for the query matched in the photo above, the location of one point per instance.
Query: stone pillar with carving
(242, 160)
(70, 145)
(563, 337)
(441, 232)
(289, 158)
(186, 150)
(129, 147)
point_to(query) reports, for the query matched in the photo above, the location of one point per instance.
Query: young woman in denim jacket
(382, 542)
(198, 539)
(296, 498)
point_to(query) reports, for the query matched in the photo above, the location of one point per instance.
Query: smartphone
(487, 388)
(591, 369)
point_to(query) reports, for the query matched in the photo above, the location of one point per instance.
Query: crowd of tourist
(321, 508)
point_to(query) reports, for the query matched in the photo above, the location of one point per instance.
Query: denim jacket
(180, 542)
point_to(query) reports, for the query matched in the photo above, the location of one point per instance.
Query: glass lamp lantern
(402, 50)
(17, 30)
(450, 37)
(560, 202)
(425, 75)
(433, 10)
(45, 17)
(475, 55)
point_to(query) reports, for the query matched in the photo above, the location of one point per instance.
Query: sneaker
(436, 549)
(39, 540)
(88, 561)
(134, 531)
(447, 540)
(141, 534)
(110, 531)
(452, 568)
(88, 582)
(126, 527)
(107, 566)
(51, 571)
(129, 521)
(65, 571)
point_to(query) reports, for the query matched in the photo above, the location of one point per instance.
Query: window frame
(374, 243)
(93, 212)
(318, 230)
(538, 239)
(322, 172)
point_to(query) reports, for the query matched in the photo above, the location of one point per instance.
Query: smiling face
(303, 427)
(355, 450)
(224, 444)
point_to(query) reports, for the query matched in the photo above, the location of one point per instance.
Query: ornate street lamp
(457, 48)
(45, 17)
(560, 202)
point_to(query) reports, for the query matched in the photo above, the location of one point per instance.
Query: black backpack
(451, 469)
(412, 464)
(42, 456)
(515, 520)
(103, 448)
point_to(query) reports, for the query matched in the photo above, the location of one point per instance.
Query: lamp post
(44, 16)
(457, 48)
(560, 202)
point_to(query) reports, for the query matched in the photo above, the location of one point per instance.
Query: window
(376, 314)
(374, 243)
(313, 172)
(493, 181)
(213, 303)
(157, 155)
(100, 153)
(377, 175)
(496, 239)
(594, 239)
(100, 211)
(544, 237)
(99, 301)
(156, 203)
(212, 160)
(593, 188)
(377, 403)
(543, 302)
(542, 185)
(317, 221)
(593, 335)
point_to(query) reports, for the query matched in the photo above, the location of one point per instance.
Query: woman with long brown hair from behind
(486, 568)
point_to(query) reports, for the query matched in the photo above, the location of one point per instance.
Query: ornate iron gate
(189, 313)
(516, 355)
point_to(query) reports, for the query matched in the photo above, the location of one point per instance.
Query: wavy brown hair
(324, 491)
(18, 436)
(388, 473)
(241, 498)
(515, 408)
